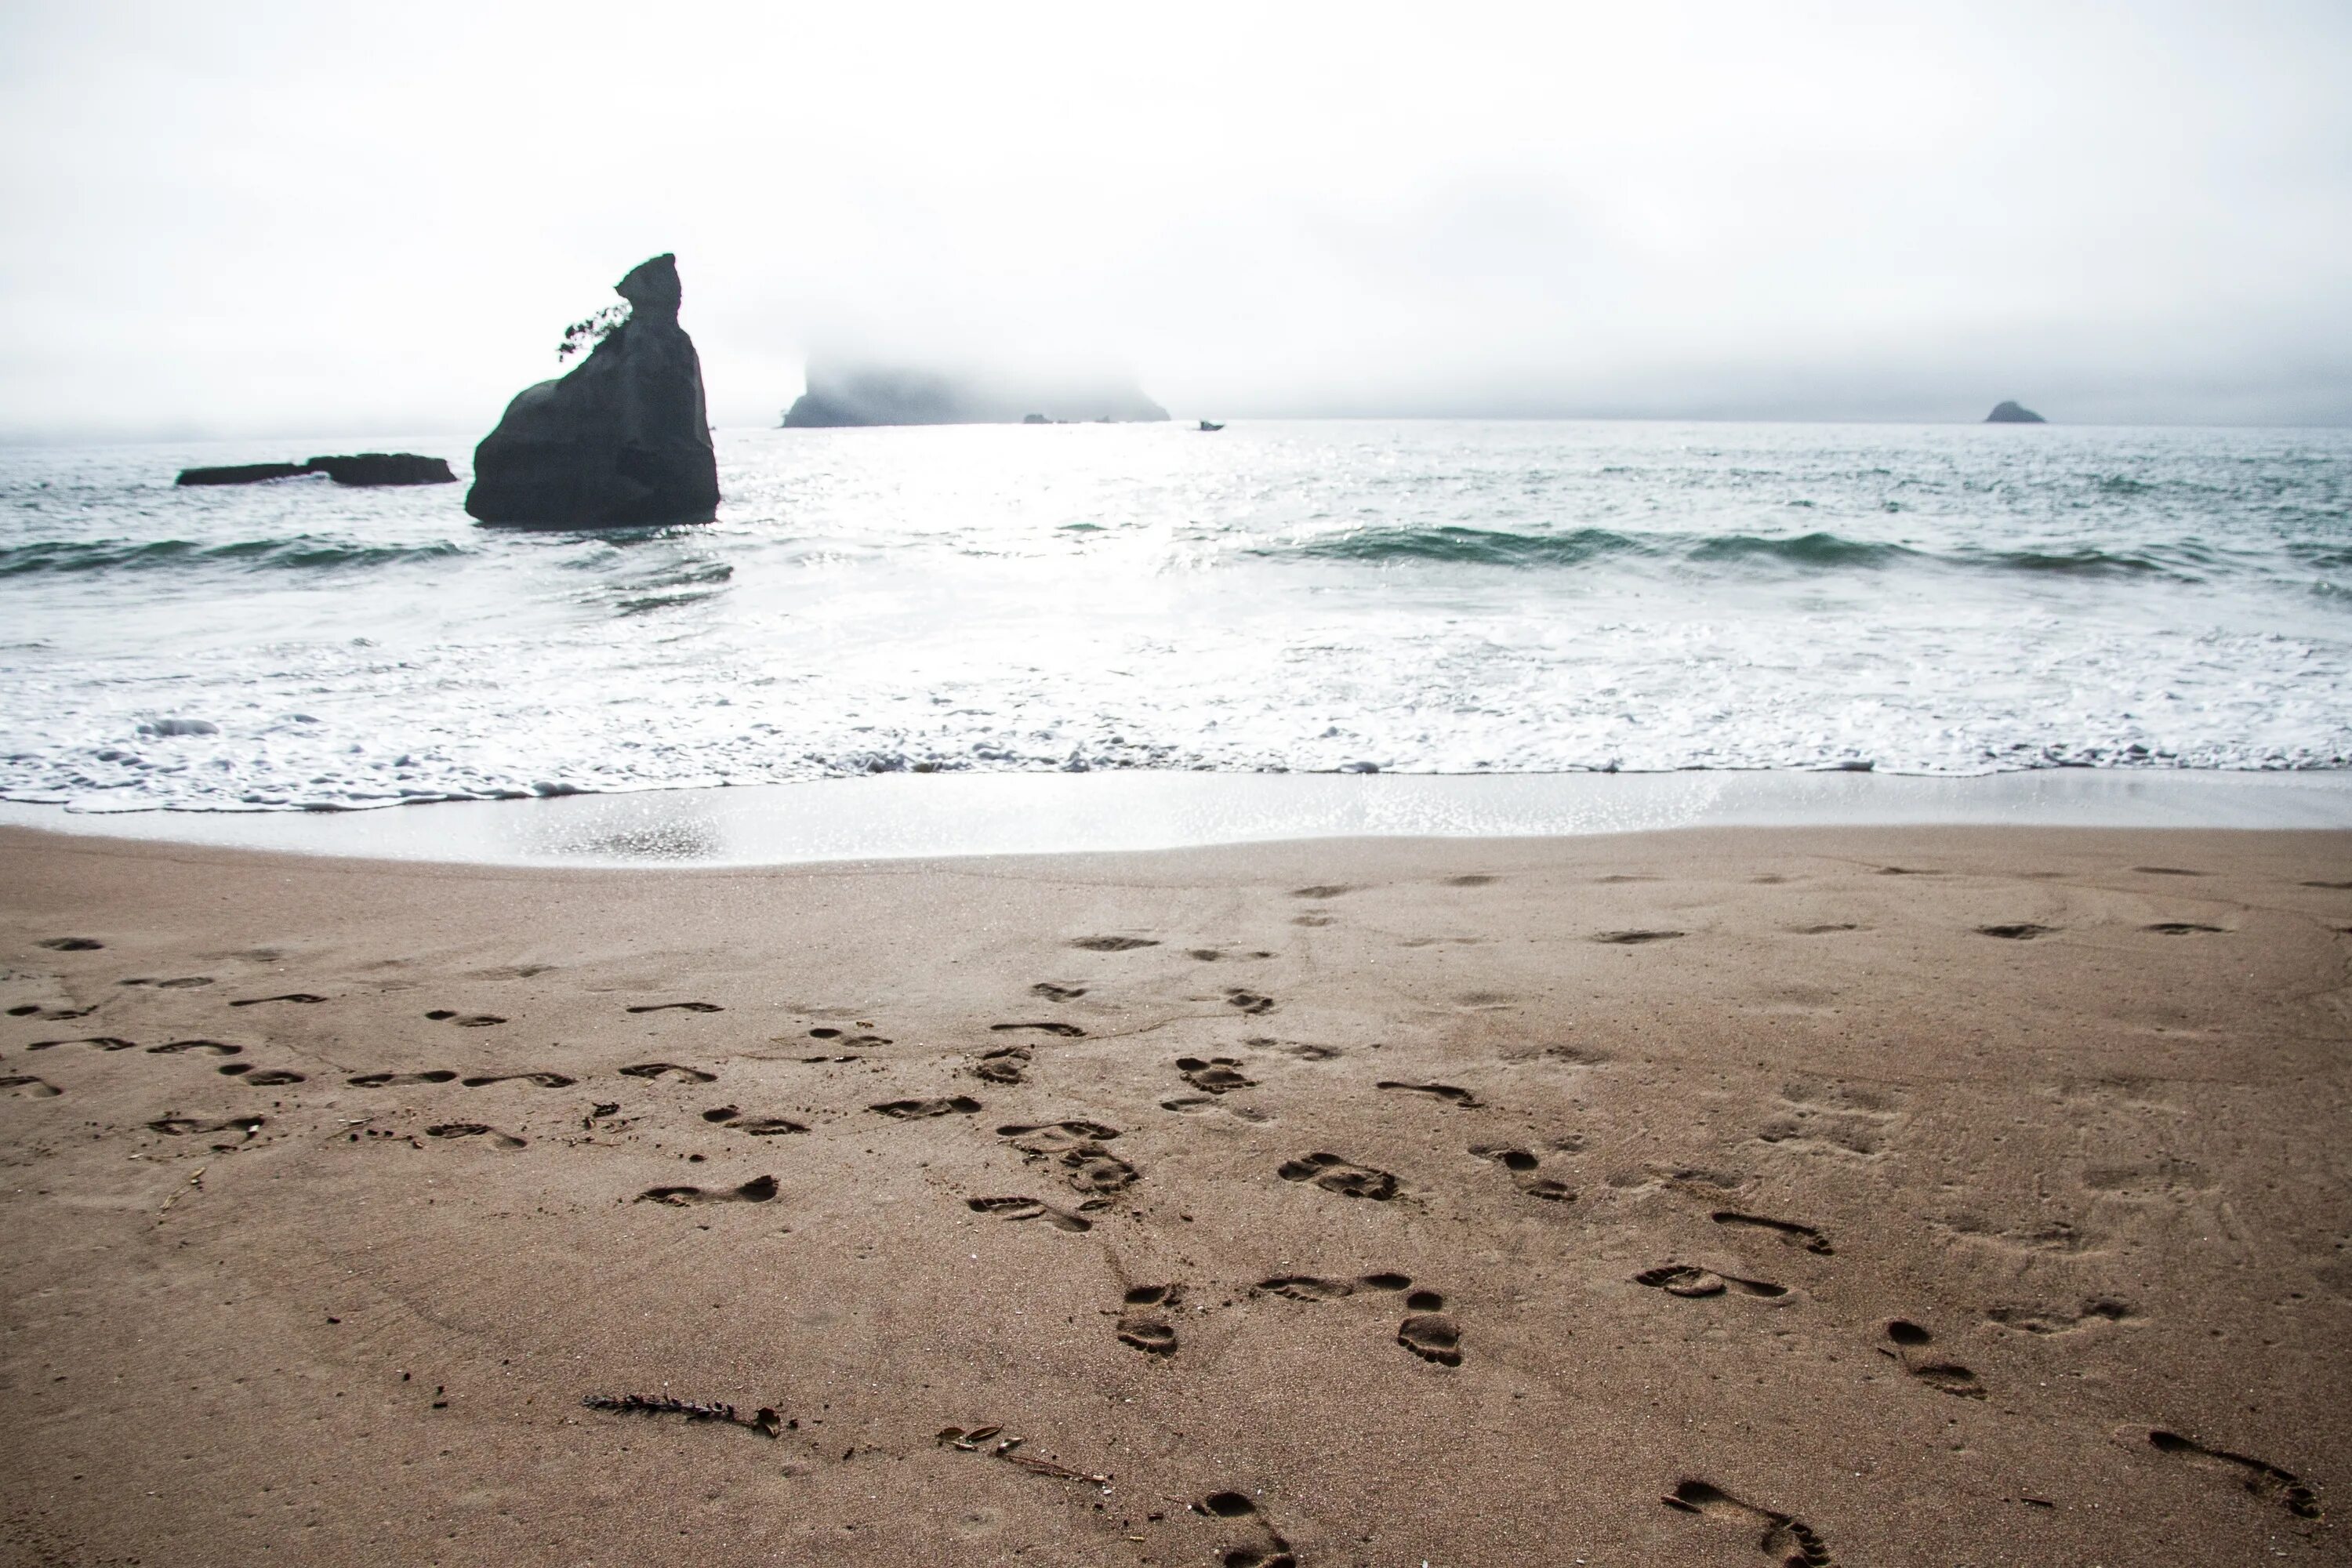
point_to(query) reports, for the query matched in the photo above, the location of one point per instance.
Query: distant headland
(857, 395)
(2006, 413)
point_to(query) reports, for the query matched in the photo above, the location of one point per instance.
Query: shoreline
(1956, 1194)
(921, 817)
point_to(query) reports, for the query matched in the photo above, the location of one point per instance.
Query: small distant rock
(2013, 414)
(363, 468)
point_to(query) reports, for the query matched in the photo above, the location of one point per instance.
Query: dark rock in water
(2013, 414)
(364, 468)
(841, 395)
(621, 442)
(241, 474)
(385, 468)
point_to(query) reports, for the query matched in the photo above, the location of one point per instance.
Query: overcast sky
(250, 218)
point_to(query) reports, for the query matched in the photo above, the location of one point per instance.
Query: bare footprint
(180, 983)
(469, 1021)
(758, 1190)
(211, 1048)
(21, 1086)
(384, 1079)
(2023, 931)
(104, 1042)
(1063, 1031)
(264, 1077)
(488, 1134)
(70, 943)
(669, 1069)
(1789, 1542)
(916, 1110)
(1025, 1208)
(1053, 992)
(1006, 1064)
(181, 1126)
(1335, 1174)
(1523, 1164)
(2049, 1321)
(678, 1006)
(757, 1126)
(1271, 1551)
(539, 1079)
(1949, 1376)
(1637, 938)
(1113, 943)
(1143, 1325)
(304, 997)
(1214, 1075)
(1249, 1001)
(1444, 1091)
(2180, 928)
(1788, 1230)
(827, 1032)
(1692, 1282)
(2262, 1479)
(1431, 1334)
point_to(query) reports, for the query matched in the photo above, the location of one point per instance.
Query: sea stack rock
(2013, 414)
(621, 442)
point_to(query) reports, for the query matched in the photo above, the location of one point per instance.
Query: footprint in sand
(1053, 992)
(669, 1070)
(1142, 1324)
(1694, 1283)
(1020, 1209)
(758, 1190)
(2262, 1479)
(466, 1021)
(211, 1048)
(181, 1126)
(183, 983)
(1249, 1001)
(1271, 1551)
(1523, 1164)
(51, 1014)
(1006, 1064)
(264, 1078)
(2166, 871)
(1076, 1149)
(491, 1135)
(104, 1042)
(70, 943)
(1335, 1174)
(678, 1006)
(1214, 1075)
(1428, 1333)
(1787, 1542)
(757, 1126)
(916, 1110)
(1474, 880)
(1637, 938)
(2180, 928)
(540, 1080)
(303, 997)
(826, 1032)
(1788, 1230)
(1949, 1376)
(2047, 1322)
(1061, 1031)
(1444, 1091)
(20, 1085)
(1193, 1104)
(2023, 931)
(1113, 943)
(387, 1079)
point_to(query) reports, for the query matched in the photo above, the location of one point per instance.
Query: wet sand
(1724, 1197)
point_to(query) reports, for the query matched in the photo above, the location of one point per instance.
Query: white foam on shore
(896, 817)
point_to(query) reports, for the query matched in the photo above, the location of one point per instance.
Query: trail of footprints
(1075, 1151)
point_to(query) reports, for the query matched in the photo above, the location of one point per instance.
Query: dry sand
(1743, 1169)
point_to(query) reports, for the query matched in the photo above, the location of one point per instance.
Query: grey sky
(293, 219)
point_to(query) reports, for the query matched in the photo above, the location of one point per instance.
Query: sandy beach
(1724, 1196)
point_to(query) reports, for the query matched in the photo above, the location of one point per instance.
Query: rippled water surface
(1423, 597)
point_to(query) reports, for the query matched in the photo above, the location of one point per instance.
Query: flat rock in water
(241, 474)
(362, 469)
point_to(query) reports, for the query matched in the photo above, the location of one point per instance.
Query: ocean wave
(1818, 550)
(301, 553)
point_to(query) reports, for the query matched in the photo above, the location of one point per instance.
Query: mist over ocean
(1416, 597)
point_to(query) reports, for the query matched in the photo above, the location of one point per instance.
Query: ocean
(1412, 596)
